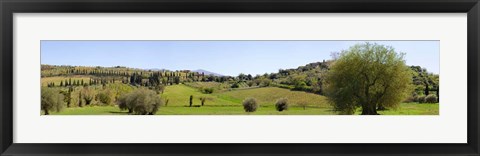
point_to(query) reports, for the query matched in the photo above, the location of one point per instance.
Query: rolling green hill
(179, 95)
(269, 95)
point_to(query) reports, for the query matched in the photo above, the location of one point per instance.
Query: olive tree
(87, 94)
(250, 105)
(281, 104)
(140, 101)
(370, 76)
(52, 100)
(104, 97)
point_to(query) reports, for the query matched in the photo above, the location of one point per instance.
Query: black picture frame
(8, 7)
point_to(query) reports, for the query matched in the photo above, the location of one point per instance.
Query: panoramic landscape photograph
(228, 77)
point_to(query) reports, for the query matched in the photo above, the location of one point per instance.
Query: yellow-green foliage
(118, 89)
(141, 101)
(105, 96)
(51, 100)
(370, 76)
(88, 95)
(209, 87)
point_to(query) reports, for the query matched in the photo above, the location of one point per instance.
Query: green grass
(229, 103)
(179, 95)
(238, 110)
(413, 109)
(91, 110)
(205, 110)
(405, 109)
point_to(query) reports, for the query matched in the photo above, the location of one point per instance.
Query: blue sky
(223, 57)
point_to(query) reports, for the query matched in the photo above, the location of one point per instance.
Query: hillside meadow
(229, 103)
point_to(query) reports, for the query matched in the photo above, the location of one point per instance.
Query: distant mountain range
(207, 72)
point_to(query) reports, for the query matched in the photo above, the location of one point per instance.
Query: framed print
(239, 77)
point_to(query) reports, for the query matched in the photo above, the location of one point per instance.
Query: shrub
(421, 99)
(411, 99)
(141, 102)
(265, 83)
(87, 95)
(431, 99)
(51, 99)
(300, 86)
(104, 97)
(159, 89)
(281, 104)
(235, 85)
(207, 90)
(124, 104)
(415, 99)
(251, 83)
(250, 105)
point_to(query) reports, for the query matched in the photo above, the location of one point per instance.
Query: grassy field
(269, 95)
(229, 103)
(413, 109)
(179, 95)
(405, 109)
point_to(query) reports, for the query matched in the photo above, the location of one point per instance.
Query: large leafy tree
(87, 94)
(140, 102)
(52, 100)
(369, 76)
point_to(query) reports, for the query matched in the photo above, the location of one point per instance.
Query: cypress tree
(191, 100)
(132, 79)
(426, 89)
(80, 99)
(438, 93)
